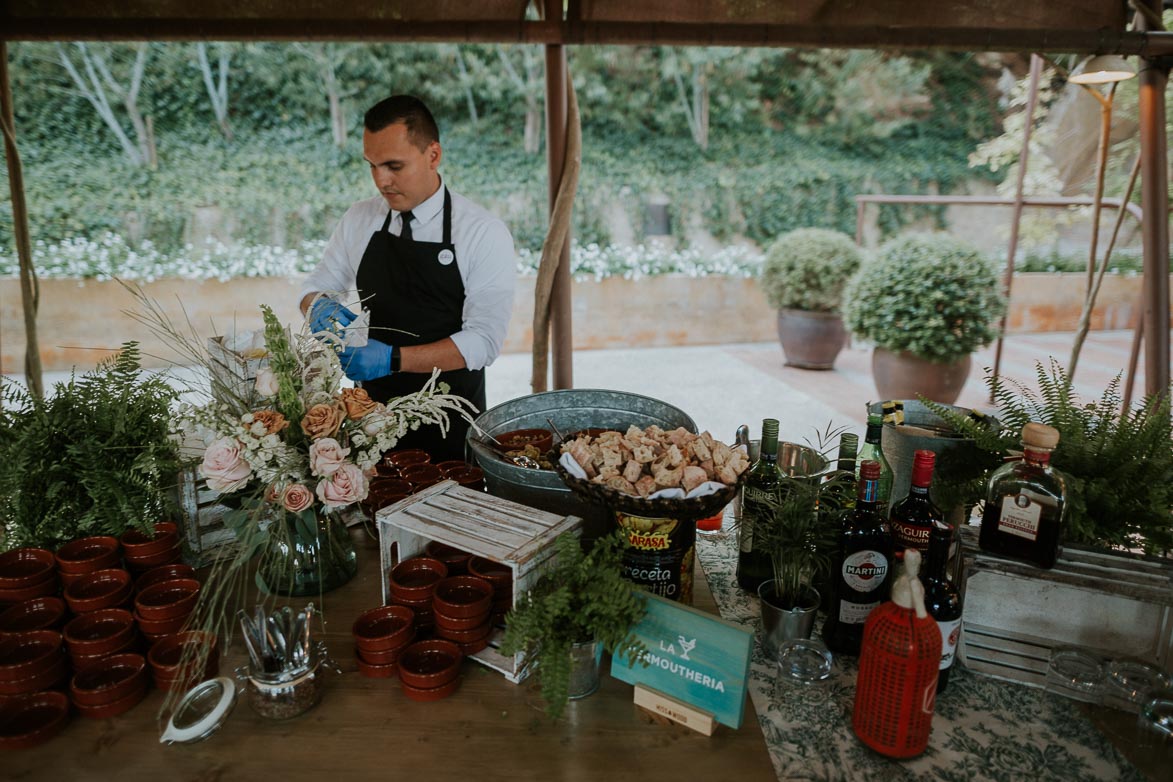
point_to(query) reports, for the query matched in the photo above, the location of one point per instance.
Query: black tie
(405, 222)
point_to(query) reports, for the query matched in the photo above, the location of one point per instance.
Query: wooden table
(367, 729)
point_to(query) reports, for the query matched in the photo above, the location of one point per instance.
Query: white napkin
(705, 489)
(358, 332)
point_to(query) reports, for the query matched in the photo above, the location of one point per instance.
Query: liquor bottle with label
(1026, 502)
(942, 600)
(912, 518)
(873, 449)
(753, 567)
(863, 569)
(839, 496)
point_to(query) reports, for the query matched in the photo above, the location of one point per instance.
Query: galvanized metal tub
(571, 410)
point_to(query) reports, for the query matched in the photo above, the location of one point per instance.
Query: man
(435, 270)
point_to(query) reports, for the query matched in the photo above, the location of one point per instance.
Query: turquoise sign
(692, 656)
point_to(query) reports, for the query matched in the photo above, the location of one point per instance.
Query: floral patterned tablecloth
(983, 729)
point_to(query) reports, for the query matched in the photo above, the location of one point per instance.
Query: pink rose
(224, 468)
(347, 485)
(297, 498)
(267, 383)
(326, 456)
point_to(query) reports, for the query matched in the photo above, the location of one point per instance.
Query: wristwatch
(395, 359)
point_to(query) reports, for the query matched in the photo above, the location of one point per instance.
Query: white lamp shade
(1103, 69)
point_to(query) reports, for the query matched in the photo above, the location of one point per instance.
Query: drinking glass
(805, 660)
(1129, 684)
(1075, 673)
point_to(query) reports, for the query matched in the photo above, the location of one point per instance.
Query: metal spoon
(561, 437)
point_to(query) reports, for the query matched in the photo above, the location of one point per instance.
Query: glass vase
(308, 553)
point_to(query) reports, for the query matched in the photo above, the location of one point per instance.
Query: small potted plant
(803, 277)
(580, 605)
(926, 301)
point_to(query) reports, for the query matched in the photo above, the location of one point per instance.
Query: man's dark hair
(408, 109)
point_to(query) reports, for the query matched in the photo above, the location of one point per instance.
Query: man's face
(404, 174)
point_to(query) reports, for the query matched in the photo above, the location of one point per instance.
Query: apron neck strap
(447, 216)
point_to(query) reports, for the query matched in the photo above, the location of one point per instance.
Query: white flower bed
(109, 256)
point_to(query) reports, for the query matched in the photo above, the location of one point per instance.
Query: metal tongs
(279, 643)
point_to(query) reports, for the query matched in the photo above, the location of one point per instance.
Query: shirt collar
(429, 207)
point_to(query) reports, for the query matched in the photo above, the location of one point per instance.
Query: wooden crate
(201, 519)
(237, 373)
(514, 535)
(1015, 613)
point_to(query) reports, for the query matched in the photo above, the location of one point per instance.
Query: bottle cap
(869, 470)
(1040, 436)
(922, 467)
(875, 419)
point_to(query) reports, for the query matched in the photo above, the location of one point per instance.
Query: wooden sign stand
(661, 705)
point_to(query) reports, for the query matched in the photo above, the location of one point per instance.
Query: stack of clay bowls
(465, 474)
(31, 661)
(29, 720)
(179, 661)
(86, 555)
(430, 670)
(453, 558)
(92, 637)
(411, 584)
(501, 577)
(461, 606)
(107, 588)
(162, 608)
(37, 613)
(111, 686)
(143, 552)
(26, 573)
(379, 636)
(384, 491)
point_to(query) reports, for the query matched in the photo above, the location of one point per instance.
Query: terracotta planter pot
(905, 376)
(811, 340)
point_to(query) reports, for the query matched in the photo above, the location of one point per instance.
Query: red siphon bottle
(896, 690)
(1026, 502)
(863, 569)
(911, 519)
(942, 600)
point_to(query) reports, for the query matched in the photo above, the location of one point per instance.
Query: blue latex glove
(367, 363)
(329, 316)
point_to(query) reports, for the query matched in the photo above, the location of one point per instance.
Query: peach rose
(224, 467)
(326, 456)
(347, 485)
(322, 420)
(273, 492)
(297, 498)
(357, 402)
(274, 422)
(267, 384)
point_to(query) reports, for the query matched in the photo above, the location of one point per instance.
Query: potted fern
(927, 301)
(580, 605)
(803, 276)
(96, 457)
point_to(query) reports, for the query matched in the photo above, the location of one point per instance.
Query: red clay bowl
(44, 588)
(164, 557)
(429, 664)
(497, 574)
(455, 559)
(160, 627)
(464, 623)
(421, 476)
(389, 657)
(164, 573)
(166, 655)
(453, 464)
(39, 613)
(30, 720)
(109, 680)
(423, 695)
(136, 545)
(83, 662)
(478, 633)
(28, 654)
(168, 599)
(388, 486)
(100, 589)
(415, 579)
(469, 477)
(86, 555)
(374, 671)
(56, 674)
(383, 628)
(459, 597)
(114, 708)
(471, 648)
(401, 459)
(99, 632)
(542, 439)
(25, 567)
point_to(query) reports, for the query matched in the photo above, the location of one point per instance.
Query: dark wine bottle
(753, 567)
(863, 569)
(942, 600)
(912, 518)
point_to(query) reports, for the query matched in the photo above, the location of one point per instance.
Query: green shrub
(931, 295)
(808, 268)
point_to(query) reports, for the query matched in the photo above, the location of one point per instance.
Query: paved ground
(722, 386)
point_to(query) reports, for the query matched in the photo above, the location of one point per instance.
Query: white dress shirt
(484, 257)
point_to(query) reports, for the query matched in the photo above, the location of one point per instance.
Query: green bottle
(754, 567)
(873, 450)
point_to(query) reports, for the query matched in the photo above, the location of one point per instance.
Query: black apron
(415, 288)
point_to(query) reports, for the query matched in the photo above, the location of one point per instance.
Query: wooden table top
(489, 730)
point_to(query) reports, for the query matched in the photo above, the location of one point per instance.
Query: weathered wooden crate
(514, 535)
(201, 519)
(1015, 613)
(237, 373)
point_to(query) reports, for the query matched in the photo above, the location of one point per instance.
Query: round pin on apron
(446, 257)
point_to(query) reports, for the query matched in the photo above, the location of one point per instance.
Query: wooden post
(561, 333)
(29, 295)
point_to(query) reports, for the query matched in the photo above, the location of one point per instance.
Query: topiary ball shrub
(932, 295)
(807, 269)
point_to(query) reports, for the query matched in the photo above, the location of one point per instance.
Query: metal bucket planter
(585, 662)
(786, 624)
(571, 410)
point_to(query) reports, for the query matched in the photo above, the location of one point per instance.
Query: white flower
(267, 384)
